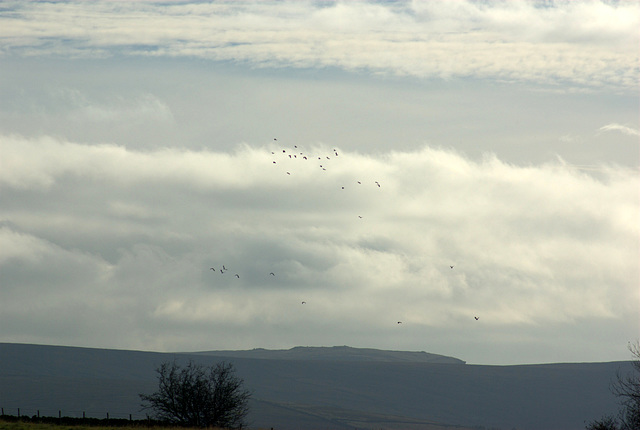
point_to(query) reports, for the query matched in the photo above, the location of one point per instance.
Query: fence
(61, 414)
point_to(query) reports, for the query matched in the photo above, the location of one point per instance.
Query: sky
(401, 167)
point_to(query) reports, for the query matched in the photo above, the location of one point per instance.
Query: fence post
(59, 414)
(83, 416)
(130, 417)
(18, 412)
(38, 413)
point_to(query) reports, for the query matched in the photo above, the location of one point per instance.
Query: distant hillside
(390, 390)
(338, 353)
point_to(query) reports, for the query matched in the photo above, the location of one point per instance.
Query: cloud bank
(537, 246)
(564, 45)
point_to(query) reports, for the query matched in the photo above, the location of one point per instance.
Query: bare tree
(605, 423)
(627, 389)
(199, 396)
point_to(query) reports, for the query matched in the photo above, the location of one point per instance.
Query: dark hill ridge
(338, 353)
(315, 394)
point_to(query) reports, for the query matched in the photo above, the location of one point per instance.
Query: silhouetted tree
(627, 389)
(605, 423)
(199, 396)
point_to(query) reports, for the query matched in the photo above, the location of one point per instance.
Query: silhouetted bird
(237, 276)
(213, 269)
(304, 303)
(477, 318)
(399, 322)
(451, 267)
(224, 267)
(273, 274)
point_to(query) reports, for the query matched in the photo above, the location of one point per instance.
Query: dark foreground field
(7, 423)
(14, 423)
(322, 388)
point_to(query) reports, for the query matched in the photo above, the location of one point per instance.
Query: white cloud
(531, 246)
(620, 128)
(124, 179)
(585, 44)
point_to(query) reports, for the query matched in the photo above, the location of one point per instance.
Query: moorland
(321, 388)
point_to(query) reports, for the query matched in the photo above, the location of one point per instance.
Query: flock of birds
(293, 154)
(296, 154)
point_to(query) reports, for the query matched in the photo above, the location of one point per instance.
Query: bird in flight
(477, 318)
(399, 322)
(237, 276)
(272, 274)
(451, 267)
(224, 268)
(304, 303)
(213, 269)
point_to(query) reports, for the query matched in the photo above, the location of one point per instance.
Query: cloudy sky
(356, 150)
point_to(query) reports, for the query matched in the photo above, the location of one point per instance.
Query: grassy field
(22, 425)
(26, 425)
